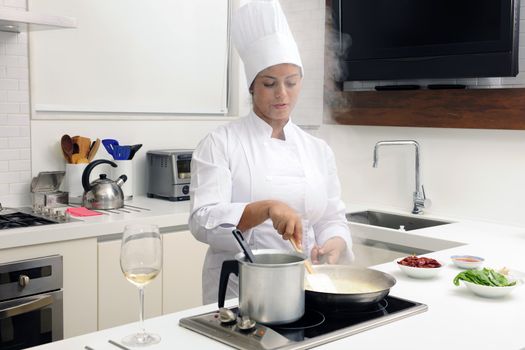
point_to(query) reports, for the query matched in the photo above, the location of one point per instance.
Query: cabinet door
(118, 299)
(182, 275)
(80, 279)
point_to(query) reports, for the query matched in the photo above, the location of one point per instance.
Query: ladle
(246, 249)
(319, 282)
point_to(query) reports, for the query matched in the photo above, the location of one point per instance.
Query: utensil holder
(74, 182)
(125, 167)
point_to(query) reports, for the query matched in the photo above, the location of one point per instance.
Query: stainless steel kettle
(102, 193)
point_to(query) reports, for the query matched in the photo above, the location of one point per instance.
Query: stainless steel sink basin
(393, 221)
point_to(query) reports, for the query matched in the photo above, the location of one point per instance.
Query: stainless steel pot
(271, 290)
(373, 286)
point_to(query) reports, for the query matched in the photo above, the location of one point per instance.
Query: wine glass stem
(141, 315)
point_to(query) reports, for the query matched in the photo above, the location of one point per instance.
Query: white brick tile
(3, 96)
(25, 176)
(22, 38)
(16, 188)
(4, 119)
(24, 131)
(9, 177)
(18, 119)
(7, 131)
(11, 61)
(9, 107)
(17, 73)
(17, 96)
(25, 153)
(19, 142)
(4, 165)
(21, 4)
(4, 189)
(16, 49)
(23, 85)
(4, 38)
(9, 154)
(22, 61)
(3, 70)
(4, 142)
(8, 84)
(24, 108)
(19, 165)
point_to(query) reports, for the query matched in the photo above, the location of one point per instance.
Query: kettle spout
(120, 181)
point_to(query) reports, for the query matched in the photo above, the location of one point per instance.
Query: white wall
(467, 173)
(15, 161)
(475, 174)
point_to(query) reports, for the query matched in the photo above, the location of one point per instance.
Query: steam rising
(336, 45)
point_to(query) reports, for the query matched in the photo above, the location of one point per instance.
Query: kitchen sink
(393, 221)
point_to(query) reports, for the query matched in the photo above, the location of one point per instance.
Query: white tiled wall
(496, 82)
(15, 145)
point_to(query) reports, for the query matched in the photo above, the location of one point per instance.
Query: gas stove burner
(311, 318)
(19, 219)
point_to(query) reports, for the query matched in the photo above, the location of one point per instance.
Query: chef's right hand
(287, 222)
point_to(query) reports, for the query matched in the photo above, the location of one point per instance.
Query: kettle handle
(228, 267)
(87, 172)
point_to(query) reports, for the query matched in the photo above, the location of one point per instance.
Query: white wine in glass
(141, 262)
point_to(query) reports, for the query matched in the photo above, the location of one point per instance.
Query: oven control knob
(186, 189)
(23, 281)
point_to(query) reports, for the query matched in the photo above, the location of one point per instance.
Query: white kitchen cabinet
(118, 299)
(80, 279)
(182, 275)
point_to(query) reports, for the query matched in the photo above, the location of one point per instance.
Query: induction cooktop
(316, 327)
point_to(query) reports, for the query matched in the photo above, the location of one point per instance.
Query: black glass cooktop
(313, 329)
(19, 219)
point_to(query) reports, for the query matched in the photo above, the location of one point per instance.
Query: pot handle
(228, 267)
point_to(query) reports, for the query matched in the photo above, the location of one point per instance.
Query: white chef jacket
(240, 163)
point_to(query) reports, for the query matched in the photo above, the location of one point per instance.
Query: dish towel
(81, 211)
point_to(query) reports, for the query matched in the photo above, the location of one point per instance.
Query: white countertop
(159, 211)
(455, 317)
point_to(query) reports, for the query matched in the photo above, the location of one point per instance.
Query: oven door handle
(23, 307)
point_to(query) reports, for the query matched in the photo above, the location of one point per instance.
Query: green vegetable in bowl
(486, 277)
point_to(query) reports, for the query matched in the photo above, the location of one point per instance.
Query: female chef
(262, 173)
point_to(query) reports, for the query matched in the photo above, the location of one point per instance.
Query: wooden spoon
(66, 143)
(319, 282)
(93, 150)
(84, 144)
(75, 157)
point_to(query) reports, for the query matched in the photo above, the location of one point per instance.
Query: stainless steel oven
(31, 308)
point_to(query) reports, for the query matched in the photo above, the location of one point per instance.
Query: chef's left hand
(330, 252)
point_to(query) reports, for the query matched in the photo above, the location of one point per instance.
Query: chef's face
(275, 91)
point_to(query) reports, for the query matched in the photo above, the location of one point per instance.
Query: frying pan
(378, 284)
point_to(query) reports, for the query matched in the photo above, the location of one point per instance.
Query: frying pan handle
(228, 267)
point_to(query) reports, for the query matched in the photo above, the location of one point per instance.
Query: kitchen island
(455, 318)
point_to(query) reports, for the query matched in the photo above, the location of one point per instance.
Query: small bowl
(419, 272)
(468, 262)
(490, 291)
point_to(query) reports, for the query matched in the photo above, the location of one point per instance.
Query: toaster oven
(169, 174)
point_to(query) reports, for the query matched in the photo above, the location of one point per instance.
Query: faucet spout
(420, 200)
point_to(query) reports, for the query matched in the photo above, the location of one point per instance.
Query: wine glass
(141, 262)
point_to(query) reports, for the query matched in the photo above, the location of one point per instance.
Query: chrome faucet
(420, 199)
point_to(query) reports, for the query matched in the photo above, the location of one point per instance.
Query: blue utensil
(109, 145)
(122, 152)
